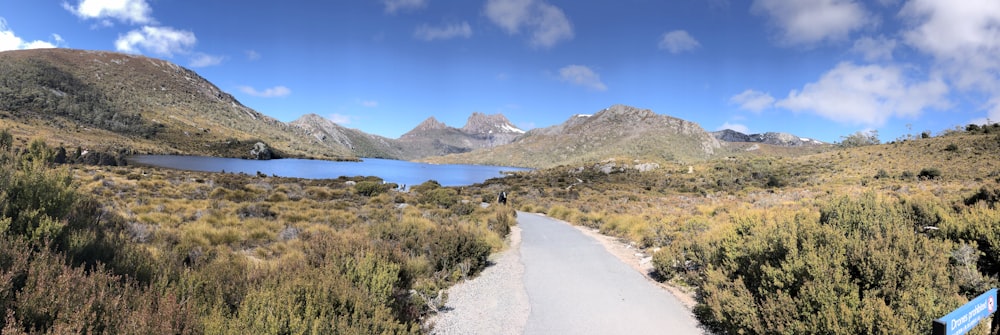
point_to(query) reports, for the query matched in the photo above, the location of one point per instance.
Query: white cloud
(547, 24)
(206, 60)
(752, 100)
(162, 41)
(369, 103)
(874, 49)
(10, 41)
(867, 95)
(128, 11)
(274, 92)
(582, 76)
(252, 55)
(678, 41)
(393, 6)
(428, 33)
(60, 42)
(340, 118)
(734, 126)
(813, 21)
(962, 36)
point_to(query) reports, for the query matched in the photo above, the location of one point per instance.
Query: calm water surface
(393, 171)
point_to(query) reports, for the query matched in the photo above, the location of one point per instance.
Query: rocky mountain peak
(428, 125)
(625, 112)
(480, 123)
(772, 138)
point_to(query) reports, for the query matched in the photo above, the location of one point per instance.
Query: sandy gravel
(559, 279)
(495, 302)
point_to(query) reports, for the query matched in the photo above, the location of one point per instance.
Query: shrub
(6, 140)
(988, 195)
(370, 188)
(951, 147)
(840, 274)
(881, 174)
(441, 197)
(929, 173)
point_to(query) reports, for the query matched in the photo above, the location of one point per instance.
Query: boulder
(260, 151)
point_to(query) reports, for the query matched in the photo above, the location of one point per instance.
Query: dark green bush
(881, 174)
(860, 269)
(441, 197)
(370, 188)
(929, 173)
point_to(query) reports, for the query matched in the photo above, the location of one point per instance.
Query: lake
(393, 171)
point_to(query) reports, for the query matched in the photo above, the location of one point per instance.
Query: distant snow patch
(511, 129)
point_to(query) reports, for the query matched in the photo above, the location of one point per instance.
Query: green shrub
(441, 197)
(929, 173)
(882, 174)
(849, 272)
(370, 188)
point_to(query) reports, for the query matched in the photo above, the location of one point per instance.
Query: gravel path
(495, 302)
(554, 279)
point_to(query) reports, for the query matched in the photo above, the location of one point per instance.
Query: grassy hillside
(877, 239)
(111, 102)
(616, 132)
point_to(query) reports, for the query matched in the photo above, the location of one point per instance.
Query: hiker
(502, 197)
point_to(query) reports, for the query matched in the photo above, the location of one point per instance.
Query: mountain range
(106, 101)
(772, 138)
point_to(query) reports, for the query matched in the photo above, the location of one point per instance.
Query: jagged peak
(310, 117)
(773, 138)
(479, 123)
(431, 123)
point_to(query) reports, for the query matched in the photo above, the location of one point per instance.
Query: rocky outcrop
(260, 151)
(772, 138)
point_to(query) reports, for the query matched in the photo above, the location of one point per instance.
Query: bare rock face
(433, 138)
(772, 138)
(491, 130)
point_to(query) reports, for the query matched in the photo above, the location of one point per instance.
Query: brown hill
(120, 102)
(616, 132)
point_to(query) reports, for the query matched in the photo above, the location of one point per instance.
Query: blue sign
(961, 320)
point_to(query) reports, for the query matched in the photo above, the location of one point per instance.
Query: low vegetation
(91, 249)
(874, 239)
(866, 239)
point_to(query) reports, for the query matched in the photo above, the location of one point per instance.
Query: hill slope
(618, 131)
(325, 132)
(113, 101)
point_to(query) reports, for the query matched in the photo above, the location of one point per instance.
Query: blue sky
(815, 68)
